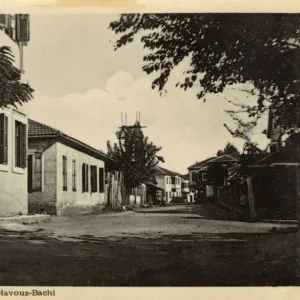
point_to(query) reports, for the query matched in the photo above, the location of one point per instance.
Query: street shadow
(39, 259)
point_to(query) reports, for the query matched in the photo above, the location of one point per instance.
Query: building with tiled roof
(38, 131)
(201, 164)
(163, 171)
(65, 175)
(175, 185)
(226, 158)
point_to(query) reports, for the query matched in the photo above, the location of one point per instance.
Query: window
(20, 145)
(204, 176)
(173, 180)
(93, 179)
(85, 178)
(166, 196)
(3, 139)
(35, 172)
(65, 174)
(194, 176)
(74, 175)
(101, 180)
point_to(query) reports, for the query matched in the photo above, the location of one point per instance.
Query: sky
(82, 85)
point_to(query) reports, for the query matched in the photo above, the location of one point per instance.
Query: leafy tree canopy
(12, 91)
(224, 49)
(133, 154)
(229, 149)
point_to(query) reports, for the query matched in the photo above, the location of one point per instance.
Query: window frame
(94, 179)
(101, 180)
(34, 172)
(20, 146)
(85, 178)
(65, 172)
(3, 139)
(74, 175)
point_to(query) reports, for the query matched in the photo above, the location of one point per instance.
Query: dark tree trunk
(125, 194)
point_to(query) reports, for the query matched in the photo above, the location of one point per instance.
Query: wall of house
(13, 180)
(186, 189)
(77, 202)
(191, 172)
(177, 186)
(164, 182)
(46, 198)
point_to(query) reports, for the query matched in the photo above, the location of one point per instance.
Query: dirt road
(146, 249)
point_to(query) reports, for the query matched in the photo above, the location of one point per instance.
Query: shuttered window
(74, 175)
(65, 173)
(173, 180)
(20, 145)
(37, 173)
(34, 172)
(93, 179)
(85, 178)
(3, 139)
(101, 180)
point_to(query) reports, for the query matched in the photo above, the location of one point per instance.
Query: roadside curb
(25, 220)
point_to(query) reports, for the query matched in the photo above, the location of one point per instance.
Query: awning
(150, 184)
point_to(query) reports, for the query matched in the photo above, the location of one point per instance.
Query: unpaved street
(156, 248)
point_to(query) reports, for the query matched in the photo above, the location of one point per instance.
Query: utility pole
(124, 128)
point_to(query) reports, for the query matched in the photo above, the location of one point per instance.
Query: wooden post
(108, 192)
(251, 201)
(111, 198)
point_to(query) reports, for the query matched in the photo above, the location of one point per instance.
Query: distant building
(175, 187)
(202, 178)
(198, 178)
(65, 176)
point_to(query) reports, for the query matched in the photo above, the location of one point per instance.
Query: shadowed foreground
(42, 258)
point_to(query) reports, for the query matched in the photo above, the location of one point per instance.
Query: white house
(186, 191)
(170, 182)
(65, 176)
(14, 33)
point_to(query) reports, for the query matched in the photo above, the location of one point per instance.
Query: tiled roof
(201, 164)
(186, 176)
(37, 129)
(162, 171)
(223, 158)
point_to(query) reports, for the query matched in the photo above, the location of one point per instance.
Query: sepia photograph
(149, 150)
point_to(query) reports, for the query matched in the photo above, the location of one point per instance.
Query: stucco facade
(13, 168)
(56, 198)
(172, 185)
(13, 179)
(164, 182)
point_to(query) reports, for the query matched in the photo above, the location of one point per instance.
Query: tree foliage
(224, 49)
(134, 155)
(12, 91)
(229, 149)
